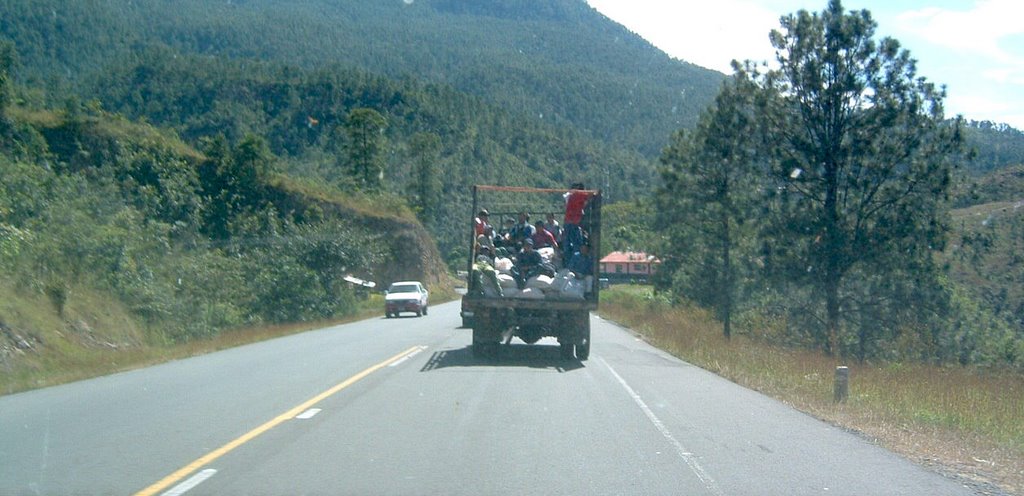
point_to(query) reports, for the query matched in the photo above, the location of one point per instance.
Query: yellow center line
(248, 436)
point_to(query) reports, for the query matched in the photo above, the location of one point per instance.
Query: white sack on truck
(561, 279)
(506, 281)
(539, 282)
(574, 289)
(547, 254)
(503, 265)
(531, 293)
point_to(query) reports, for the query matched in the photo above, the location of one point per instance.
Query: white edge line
(406, 357)
(308, 414)
(689, 458)
(192, 482)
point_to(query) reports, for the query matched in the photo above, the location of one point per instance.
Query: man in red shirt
(542, 238)
(575, 203)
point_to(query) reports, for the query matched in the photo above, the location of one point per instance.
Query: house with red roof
(628, 266)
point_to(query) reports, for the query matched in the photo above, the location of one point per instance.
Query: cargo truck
(497, 317)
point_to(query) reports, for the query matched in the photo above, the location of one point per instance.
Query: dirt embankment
(410, 253)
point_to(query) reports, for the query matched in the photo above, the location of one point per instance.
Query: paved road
(401, 407)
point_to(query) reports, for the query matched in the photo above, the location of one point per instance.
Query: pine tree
(860, 157)
(6, 90)
(707, 200)
(366, 145)
(425, 187)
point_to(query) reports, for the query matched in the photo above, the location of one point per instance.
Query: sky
(973, 47)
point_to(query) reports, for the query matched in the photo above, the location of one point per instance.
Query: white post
(842, 384)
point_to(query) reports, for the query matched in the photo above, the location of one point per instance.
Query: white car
(405, 296)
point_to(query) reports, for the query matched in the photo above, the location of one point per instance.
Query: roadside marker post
(842, 384)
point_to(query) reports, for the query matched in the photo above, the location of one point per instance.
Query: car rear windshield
(403, 288)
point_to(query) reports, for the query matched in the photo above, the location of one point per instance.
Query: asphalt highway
(401, 407)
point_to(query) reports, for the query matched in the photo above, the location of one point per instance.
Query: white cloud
(980, 31)
(709, 34)
(1005, 75)
(984, 56)
(977, 51)
(978, 104)
(984, 106)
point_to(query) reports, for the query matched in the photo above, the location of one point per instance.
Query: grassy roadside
(960, 421)
(86, 342)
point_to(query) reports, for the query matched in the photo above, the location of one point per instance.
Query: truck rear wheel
(566, 350)
(583, 344)
(486, 338)
(478, 343)
(583, 351)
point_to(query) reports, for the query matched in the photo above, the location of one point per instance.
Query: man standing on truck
(575, 203)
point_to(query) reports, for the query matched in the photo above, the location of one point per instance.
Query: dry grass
(370, 206)
(958, 420)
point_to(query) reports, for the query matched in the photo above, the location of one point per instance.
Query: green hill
(986, 255)
(986, 243)
(996, 146)
(118, 237)
(534, 92)
(559, 61)
(1001, 185)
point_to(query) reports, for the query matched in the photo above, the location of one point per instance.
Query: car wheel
(424, 310)
(387, 315)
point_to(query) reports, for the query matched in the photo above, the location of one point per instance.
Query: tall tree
(706, 202)
(860, 154)
(253, 162)
(233, 180)
(6, 68)
(366, 145)
(425, 187)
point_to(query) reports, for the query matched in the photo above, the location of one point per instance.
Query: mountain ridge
(578, 68)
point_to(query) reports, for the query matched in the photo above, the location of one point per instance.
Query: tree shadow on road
(511, 355)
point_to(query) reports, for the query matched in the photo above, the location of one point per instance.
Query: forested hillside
(528, 92)
(996, 146)
(1001, 185)
(303, 115)
(986, 254)
(193, 242)
(557, 61)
